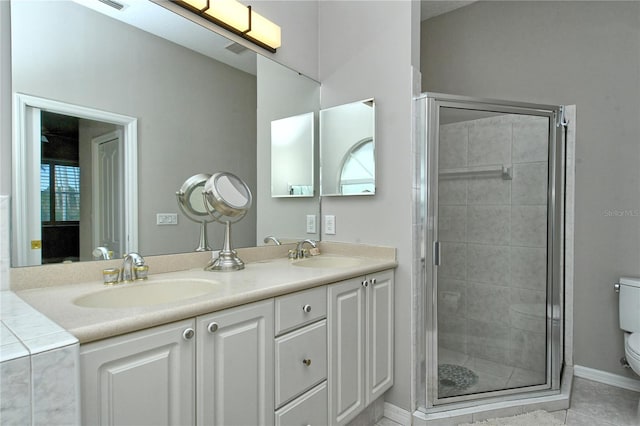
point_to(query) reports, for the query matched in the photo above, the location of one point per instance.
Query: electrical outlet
(166, 218)
(311, 224)
(330, 224)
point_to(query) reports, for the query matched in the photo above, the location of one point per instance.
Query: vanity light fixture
(237, 18)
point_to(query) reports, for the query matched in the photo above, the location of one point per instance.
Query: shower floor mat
(454, 379)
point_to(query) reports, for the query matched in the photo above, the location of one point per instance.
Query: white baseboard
(606, 378)
(397, 414)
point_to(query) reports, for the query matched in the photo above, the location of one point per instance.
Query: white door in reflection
(107, 192)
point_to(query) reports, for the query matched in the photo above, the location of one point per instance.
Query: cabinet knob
(213, 327)
(365, 283)
(306, 308)
(188, 334)
(306, 362)
(373, 281)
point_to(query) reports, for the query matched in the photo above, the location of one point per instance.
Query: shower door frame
(428, 179)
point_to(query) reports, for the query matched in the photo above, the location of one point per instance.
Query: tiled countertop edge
(24, 331)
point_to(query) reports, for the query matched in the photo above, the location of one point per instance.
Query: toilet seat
(633, 346)
(632, 351)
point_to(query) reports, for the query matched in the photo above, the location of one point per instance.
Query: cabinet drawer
(301, 361)
(309, 409)
(303, 307)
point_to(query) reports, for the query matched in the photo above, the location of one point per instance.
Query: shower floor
(489, 375)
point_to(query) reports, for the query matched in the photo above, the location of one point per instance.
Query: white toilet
(629, 300)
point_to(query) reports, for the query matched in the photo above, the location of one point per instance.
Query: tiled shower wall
(493, 232)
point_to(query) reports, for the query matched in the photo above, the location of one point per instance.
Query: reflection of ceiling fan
(57, 126)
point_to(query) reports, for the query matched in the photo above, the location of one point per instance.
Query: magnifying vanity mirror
(347, 149)
(193, 205)
(230, 200)
(200, 101)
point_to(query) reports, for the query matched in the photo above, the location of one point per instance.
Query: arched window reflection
(357, 174)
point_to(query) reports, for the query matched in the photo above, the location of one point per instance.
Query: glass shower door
(493, 231)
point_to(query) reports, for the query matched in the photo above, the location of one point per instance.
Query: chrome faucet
(300, 252)
(272, 238)
(128, 270)
(102, 252)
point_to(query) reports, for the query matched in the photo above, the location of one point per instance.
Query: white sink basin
(149, 293)
(324, 261)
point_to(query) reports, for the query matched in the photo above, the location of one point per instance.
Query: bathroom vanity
(280, 342)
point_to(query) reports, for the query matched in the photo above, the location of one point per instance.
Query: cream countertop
(261, 279)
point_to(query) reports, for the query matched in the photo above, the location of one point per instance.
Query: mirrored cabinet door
(292, 156)
(347, 149)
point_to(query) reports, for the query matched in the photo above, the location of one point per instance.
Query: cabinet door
(142, 378)
(235, 366)
(380, 341)
(346, 339)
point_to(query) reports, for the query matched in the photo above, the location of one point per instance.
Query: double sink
(157, 291)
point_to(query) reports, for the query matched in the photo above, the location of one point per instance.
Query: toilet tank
(630, 304)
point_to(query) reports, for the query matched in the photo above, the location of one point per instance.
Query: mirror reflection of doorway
(59, 187)
(80, 187)
(39, 125)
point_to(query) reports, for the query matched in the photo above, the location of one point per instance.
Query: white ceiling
(430, 8)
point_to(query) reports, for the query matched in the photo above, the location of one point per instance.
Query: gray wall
(188, 120)
(366, 51)
(583, 53)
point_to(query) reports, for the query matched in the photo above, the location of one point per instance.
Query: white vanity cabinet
(315, 357)
(141, 378)
(149, 377)
(360, 368)
(301, 358)
(235, 366)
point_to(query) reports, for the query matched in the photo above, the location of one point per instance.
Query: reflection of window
(59, 192)
(357, 175)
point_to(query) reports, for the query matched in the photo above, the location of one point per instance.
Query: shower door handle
(436, 253)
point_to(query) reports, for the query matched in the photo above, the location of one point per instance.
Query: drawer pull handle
(188, 333)
(213, 327)
(306, 362)
(306, 308)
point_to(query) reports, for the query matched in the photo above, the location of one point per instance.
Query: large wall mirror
(347, 149)
(200, 102)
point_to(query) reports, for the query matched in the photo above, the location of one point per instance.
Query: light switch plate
(330, 224)
(311, 224)
(166, 218)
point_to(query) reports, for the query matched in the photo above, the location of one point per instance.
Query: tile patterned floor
(592, 404)
(491, 375)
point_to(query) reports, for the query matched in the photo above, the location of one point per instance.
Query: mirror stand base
(227, 261)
